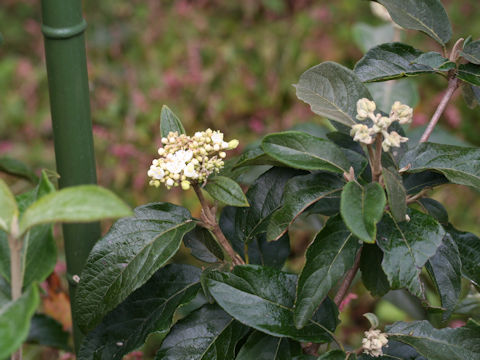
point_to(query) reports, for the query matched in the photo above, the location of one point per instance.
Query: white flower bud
(401, 113)
(365, 108)
(185, 184)
(373, 342)
(232, 144)
(169, 182)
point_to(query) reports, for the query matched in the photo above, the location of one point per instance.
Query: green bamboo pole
(63, 28)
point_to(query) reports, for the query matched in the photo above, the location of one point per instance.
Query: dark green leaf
(428, 16)
(84, 203)
(169, 122)
(323, 88)
(149, 309)
(397, 196)
(414, 183)
(390, 61)
(300, 193)
(461, 165)
(440, 344)
(263, 298)
(206, 334)
(407, 246)
(203, 245)
(255, 156)
(9, 209)
(303, 151)
(311, 128)
(46, 331)
(334, 355)
(469, 249)
(361, 208)
(226, 191)
(17, 168)
(247, 226)
(127, 256)
(387, 92)
(15, 321)
(367, 36)
(445, 270)
(436, 61)
(471, 52)
(328, 258)
(260, 346)
(469, 73)
(435, 209)
(373, 276)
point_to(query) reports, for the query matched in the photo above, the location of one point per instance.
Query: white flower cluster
(373, 342)
(366, 110)
(186, 160)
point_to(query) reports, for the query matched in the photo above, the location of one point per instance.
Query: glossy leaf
(469, 73)
(397, 195)
(149, 309)
(373, 276)
(390, 61)
(8, 209)
(406, 247)
(169, 122)
(226, 191)
(436, 61)
(445, 270)
(260, 346)
(323, 88)
(328, 258)
(414, 183)
(263, 298)
(469, 249)
(246, 227)
(207, 334)
(127, 256)
(17, 168)
(203, 245)
(255, 156)
(300, 193)
(471, 52)
(303, 151)
(435, 209)
(361, 208)
(84, 203)
(440, 344)
(15, 321)
(428, 16)
(46, 331)
(460, 165)
(367, 36)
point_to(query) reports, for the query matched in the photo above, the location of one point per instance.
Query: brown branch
(209, 221)
(414, 198)
(453, 85)
(347, 280)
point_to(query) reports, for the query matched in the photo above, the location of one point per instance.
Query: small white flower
(189, 171)
(169, 182)
(175, 167)
(156, 173)
(217, 137)
(183, 155)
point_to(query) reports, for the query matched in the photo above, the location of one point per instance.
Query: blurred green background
(228, 65)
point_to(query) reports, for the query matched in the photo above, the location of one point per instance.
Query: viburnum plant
(367, 183)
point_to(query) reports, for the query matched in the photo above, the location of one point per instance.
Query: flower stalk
(209, 221)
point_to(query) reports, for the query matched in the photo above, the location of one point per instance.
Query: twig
(347, 281)
(452, 86)
(414, 198)
(210, 222)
